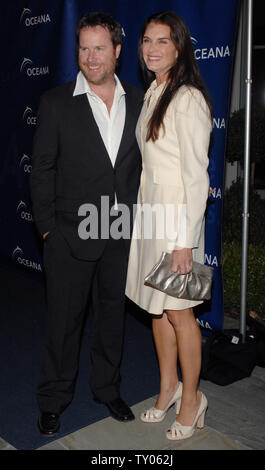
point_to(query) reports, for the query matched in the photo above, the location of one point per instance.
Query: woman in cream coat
(173, 133)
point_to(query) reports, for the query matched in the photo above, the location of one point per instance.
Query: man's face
(97, 55)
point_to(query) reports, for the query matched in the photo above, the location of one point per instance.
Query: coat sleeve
(193, 127)
(44, 155)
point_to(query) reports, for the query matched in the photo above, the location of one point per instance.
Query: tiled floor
(136, 435)
(234, 421)
(5, 445)
(109, 434)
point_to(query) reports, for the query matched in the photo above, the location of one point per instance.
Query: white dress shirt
(110, 125)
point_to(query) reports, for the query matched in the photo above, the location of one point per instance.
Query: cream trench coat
(175, 184)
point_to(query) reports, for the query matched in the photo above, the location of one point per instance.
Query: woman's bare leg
(166, 348)
(188, 338)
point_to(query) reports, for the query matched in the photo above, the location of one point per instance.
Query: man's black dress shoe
(49, 424)
(120, 410)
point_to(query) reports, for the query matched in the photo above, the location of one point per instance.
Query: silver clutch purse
(195, 285)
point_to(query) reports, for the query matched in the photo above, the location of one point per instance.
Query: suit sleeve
(193, 127)
(44, 155)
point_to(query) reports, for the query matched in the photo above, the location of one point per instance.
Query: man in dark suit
(85, 152)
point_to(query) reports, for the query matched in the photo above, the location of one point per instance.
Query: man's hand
(182, 261)
(45, 235)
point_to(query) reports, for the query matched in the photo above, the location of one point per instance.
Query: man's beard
(104, 76)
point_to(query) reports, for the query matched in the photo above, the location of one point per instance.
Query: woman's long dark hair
(184, 72)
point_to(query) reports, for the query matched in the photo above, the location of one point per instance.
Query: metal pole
(245, 214)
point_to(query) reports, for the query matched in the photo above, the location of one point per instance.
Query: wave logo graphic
(19, 257)
(17, 252)
(24, 160)
(28, 117)
(25, 163)
(23, 213)
(27, 112)
(28, 18)
(25, 63)
(25, 12)
(213, 52)
(32, 71)
(21, 205)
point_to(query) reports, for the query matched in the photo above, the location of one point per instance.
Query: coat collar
(154, 90)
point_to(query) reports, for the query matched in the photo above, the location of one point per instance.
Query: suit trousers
(70, 281)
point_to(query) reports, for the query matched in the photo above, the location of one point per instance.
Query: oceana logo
(215, 52)
(215, 193)
(204, 324)
(219, 123)
(17, 252)
(23, 212)
(25, 63)
(28, 68)
(25, 12)
(19, 257)
(28, 117)
(25, 163)
(30, 20)
(211, 260)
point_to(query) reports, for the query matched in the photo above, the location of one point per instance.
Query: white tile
(5, 445)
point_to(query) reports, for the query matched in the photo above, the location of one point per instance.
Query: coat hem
(163, 308)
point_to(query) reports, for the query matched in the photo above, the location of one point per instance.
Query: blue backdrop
(40, 54)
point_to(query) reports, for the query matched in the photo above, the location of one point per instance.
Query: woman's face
(159, 51)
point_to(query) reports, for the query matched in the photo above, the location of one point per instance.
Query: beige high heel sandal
(154, 415)
(178, 432)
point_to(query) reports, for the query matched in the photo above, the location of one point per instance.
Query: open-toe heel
(178, 432)
(177, 406)
(154, 415)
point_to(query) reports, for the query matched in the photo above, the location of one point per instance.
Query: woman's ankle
(169, 387)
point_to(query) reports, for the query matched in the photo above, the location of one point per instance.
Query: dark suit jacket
(71, 165)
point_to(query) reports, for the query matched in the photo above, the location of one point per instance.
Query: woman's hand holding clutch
(174, 276)
(182, 261)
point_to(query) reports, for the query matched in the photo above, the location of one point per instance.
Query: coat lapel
(86, 119)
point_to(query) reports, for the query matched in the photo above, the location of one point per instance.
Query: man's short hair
(104, 20)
